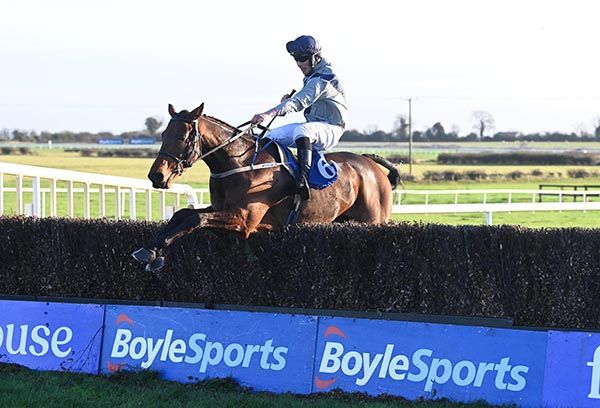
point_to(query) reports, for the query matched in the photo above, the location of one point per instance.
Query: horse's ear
(196, 113)
(172, 111)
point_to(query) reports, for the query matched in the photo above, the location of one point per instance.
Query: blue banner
(51, 336)
(110, 141)
(273, 352)
(572, 370)
(415, 360)
(142, 140)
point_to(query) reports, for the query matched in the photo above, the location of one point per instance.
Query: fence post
(163, 215)
(149, 205)
(19, 194)
(43, 215)
(132, 209)
(53, 198)
(86, 201)
(118, 197)
(488, 218)
(37, 208)
(102, 198)
(70, 211)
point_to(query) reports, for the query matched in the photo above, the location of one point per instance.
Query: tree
(581, 129)
(455, 129)
(436, 132)
(400, 128)
(596, 126)
(483, 121)
(371, 128)
(153, 124)
(5, 134)
(21, 136)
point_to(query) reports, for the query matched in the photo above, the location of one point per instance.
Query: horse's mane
(220, 122)
(186, 115)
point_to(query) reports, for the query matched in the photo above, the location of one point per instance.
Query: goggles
(302, 57)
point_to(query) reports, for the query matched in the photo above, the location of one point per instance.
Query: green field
(20, 387)
(198, 178)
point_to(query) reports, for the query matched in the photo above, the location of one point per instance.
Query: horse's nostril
(156, 178)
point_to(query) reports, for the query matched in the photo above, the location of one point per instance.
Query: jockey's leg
(304, 162)
(284, 134)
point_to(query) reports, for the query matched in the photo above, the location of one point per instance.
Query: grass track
(20, 387)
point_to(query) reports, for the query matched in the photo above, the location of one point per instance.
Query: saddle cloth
(322, 173)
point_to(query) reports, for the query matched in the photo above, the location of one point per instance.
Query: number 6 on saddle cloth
(322, 173)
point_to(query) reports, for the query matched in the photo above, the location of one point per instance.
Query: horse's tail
(393, 175)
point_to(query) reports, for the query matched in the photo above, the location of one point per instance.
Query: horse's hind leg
(372, 208)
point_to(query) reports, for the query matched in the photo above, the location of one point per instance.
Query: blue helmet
(303, 45)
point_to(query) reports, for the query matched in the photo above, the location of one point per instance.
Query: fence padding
(542, 277)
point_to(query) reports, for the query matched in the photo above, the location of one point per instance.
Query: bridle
(192, 153)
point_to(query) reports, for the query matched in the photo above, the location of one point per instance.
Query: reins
(193, 153)
(192, 147)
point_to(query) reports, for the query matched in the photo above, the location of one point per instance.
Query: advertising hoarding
(572, 370)
(273, 352)
(416, 360)
(51, 336)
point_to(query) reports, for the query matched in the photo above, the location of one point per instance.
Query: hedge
(520, 158)
(541, 277)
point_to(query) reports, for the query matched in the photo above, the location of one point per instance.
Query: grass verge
(21, 387)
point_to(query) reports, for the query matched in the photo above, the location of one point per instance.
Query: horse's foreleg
(243, 221)
(182, 220)
(180, 217)
(148, 253)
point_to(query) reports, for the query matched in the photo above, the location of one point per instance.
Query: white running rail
(533, 204)
(115, 186)
(508, 193)
(122, 187)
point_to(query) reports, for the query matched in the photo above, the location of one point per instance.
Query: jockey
(323, 101)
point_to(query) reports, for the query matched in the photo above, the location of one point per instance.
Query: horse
(250, 190)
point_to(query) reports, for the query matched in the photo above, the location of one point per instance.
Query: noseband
(191, 153)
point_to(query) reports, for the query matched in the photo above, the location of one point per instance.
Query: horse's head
(180, 149)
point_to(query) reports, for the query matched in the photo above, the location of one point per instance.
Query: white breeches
(322, 135)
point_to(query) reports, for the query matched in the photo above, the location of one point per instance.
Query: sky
(108, 65)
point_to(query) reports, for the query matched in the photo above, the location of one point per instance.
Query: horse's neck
(228, 157)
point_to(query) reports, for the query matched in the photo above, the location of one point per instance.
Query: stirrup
(303, 189)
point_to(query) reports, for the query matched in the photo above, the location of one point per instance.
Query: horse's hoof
(156, 265)
(144, 255)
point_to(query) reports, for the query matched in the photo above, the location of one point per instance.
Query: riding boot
(304, 162)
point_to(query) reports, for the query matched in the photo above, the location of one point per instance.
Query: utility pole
(410, 139)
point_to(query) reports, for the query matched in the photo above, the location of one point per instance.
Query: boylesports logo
(421, 367)
(197, 349)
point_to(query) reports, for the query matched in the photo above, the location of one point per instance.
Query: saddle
(322, 174)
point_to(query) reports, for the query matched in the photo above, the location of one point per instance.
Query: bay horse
(250, 191)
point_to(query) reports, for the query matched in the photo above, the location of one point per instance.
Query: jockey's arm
(311, 91)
